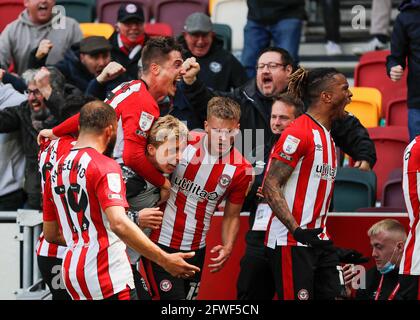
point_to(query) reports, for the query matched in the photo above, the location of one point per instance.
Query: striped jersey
(49, 153)
(199, 183)
(410, 262)
(83, 184)
(307, 147)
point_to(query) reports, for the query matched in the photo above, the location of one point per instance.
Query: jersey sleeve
(48, 207)
(241, 186)
(291, 147)
(110, 187)
(68, 127)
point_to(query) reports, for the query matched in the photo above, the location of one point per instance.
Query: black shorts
(142, 289)
(166, 287)
(409, 287)
(50, 268)
(302, 273)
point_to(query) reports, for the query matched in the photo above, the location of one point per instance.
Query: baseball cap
(130, 11)
(198, 22)
(94, 44)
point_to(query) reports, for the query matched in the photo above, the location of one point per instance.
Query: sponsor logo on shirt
(325, 172)
(146, 121)
(290, 144)
(114, 182)
(285, 156)
(192, 189)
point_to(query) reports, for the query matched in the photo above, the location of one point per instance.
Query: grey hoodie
(22, 35)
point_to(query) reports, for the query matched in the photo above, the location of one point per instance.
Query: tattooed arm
(276, 178)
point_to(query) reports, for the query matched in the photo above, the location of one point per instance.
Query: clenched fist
(110, 72)
(43, 49)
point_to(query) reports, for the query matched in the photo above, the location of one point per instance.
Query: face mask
(388, 267)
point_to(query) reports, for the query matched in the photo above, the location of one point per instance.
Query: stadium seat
(107, 10)
(97, 29)
(10, 10)
(174, 12)
(396, 113)
(158, 29)
(366, 105)
(371, 72)
(353, 189)
(81, 10)
(392, 195)
(224, 32)
(390, 143)
(232, 13)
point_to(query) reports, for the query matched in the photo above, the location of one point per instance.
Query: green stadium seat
(224, 32)
(81, 10)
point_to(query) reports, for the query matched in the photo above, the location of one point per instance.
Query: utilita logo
(325, 172)
(194, 189)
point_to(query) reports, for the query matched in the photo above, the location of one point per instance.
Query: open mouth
(43, 8)
(267, 80)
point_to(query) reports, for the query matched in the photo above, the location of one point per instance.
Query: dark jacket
(219, 69)
(271, 11)
(347, 133)
(373, 278)
(405, 45)
(131, 65)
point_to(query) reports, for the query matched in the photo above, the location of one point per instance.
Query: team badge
(224, 180)
(303, 294)
(165, 285)
(146, 121)
(216, 67)
(131, 8)
(114, 182)
(290, 144)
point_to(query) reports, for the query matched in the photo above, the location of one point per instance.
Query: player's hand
(176, 265)
(310, 237)
(42, 82)
(165, 192)
(110, 72)
(363, 165)
(43, 49)
(219, 261)
(45, 134)
(396, 73)
(2, 73)
(191, 67)
(150, 218)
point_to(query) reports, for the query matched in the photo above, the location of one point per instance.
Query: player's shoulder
(102, 163)
(239, 160)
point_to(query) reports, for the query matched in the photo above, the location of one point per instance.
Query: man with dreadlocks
(298, 186)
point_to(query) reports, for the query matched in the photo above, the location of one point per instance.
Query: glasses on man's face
(35, 92)
(271, 66)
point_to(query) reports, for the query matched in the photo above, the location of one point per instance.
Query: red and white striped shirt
(410, 262)
(49, 153)
(83, 184)
(199, 183)
(307, 147)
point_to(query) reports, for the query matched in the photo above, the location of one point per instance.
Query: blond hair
(388, 225)
(167, 127)
(223, 108)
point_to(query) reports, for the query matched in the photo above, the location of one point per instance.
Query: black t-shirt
(373, 278)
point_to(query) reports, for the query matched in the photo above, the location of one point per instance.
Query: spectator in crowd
(37, 26)
(12, 158)
(410, 262)
(387, 238)
(87, 65)
(379, 27)
(277, 21)
(129, 38)
(38, 112)
(220, 70)
(331, 16)
(405, 46)
(274, 67)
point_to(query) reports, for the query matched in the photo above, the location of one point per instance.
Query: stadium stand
(366, 105)
(164, 11)
(10, 10)
(392, 194)
(224, 32)
(158, 29)
(96, 29)
(80, 10)
(353, 189)
(107, 10)
(396, 112)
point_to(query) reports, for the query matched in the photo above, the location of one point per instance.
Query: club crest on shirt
(215, 67)
(114, 182)
(146, 121)
(290, 144)
(224, 180)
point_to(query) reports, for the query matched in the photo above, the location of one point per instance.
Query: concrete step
(318, 49)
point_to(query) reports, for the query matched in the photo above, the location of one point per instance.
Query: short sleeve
(110, 187)
(291, 147)
(241, 187)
